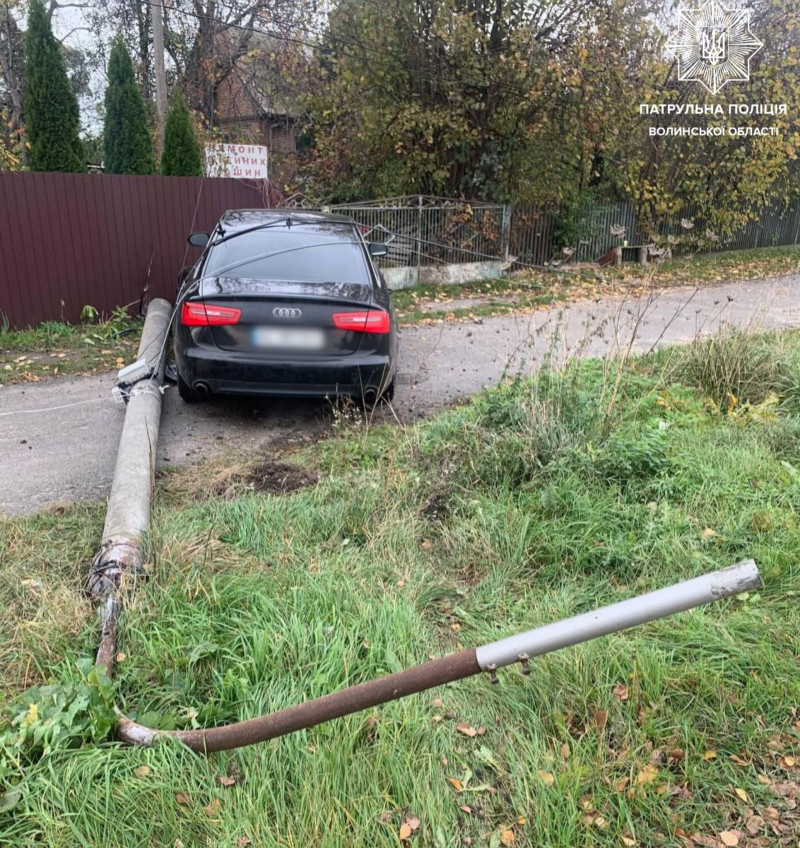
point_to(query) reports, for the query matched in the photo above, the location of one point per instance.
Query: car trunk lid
(283, 316)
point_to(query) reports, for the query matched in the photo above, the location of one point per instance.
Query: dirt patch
(279, 478)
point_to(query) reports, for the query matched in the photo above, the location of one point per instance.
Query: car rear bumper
(241, 374)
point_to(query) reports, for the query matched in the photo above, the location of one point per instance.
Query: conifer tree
(51, 108)
(181, 151)
(127, 147)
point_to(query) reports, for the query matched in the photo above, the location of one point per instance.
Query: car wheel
(186, 392)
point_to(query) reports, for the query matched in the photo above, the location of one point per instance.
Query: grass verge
(537, 500)
(55, 348)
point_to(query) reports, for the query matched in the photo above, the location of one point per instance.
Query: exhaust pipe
(202, 389)
(370, 396)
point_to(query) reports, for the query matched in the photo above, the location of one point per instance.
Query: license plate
(289, 338)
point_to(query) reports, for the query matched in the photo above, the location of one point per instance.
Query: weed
(732, 367)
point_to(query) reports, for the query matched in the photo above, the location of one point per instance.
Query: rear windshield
(314, 254)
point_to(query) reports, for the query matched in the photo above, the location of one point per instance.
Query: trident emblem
(714, 44)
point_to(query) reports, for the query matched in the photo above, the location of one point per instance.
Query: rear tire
(187, 393)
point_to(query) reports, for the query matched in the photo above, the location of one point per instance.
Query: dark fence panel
(68, 240)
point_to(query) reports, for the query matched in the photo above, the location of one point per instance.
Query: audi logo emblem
(286, 312)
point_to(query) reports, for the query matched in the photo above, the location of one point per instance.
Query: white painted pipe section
(620, 616)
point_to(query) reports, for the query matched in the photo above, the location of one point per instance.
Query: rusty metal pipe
(337, 704)
(519, 648)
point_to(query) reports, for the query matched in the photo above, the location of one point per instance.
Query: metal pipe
(621, 616)
(519, 648)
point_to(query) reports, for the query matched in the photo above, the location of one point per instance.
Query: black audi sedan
(285, 303)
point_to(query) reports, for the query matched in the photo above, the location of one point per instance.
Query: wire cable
(52, 408)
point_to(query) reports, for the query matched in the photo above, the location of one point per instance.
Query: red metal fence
(68, 240)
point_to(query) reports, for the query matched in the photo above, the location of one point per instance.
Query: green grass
(536, 501)
(56, 348)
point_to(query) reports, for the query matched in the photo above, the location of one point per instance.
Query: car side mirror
(377, 248)
(198, 239)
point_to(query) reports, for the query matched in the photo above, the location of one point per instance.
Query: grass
(56, 348)
(537, 500)
(528, 290)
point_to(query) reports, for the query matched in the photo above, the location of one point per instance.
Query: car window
(311, 254)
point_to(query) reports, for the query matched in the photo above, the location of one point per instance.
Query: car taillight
(372, 321)
(204, 315)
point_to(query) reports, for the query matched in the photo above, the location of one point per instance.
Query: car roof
(234, 219)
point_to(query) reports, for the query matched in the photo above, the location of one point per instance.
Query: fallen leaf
(521, 820)
(729, 837)
(707, 534)
(213, 808)
(626, 840)
(408, 827)
(466, 808)
(742, 794)
(121, 656)
(141, 771)
(456, 784)
(600, 719)
(710, 755)
(787, 762)
(507, 837)
(647, 775)
(547, 778)
(738, 760)
(224, 780)
(620, 691)
(466, 730)
(181, 799)
(243, 841)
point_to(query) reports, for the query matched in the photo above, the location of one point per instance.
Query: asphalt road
(58, 438)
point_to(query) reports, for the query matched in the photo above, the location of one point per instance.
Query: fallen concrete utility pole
(520, 648)
(128, 514)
